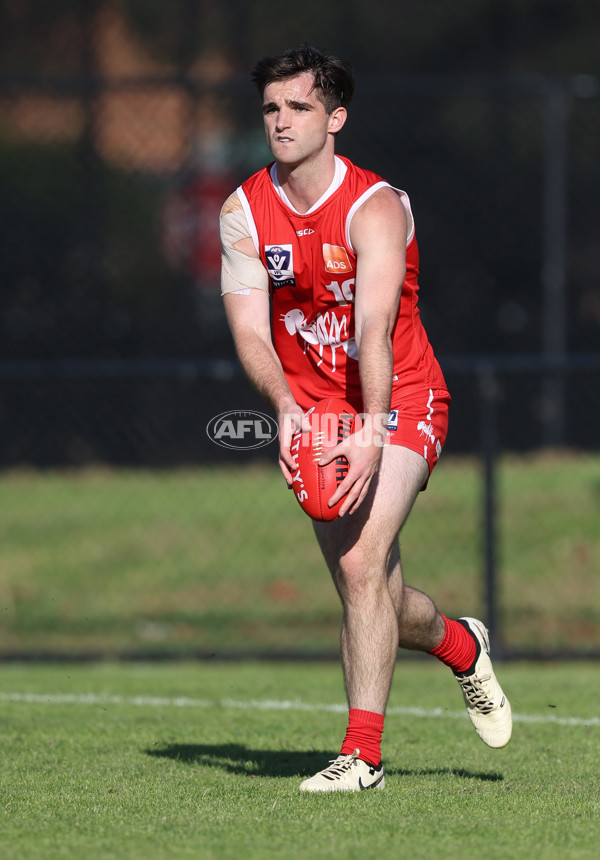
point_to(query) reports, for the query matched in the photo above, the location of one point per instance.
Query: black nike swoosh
(372, 785)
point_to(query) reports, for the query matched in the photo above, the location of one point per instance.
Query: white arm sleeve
(239, 272)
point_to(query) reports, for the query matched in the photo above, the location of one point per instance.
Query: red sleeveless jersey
(312, 268)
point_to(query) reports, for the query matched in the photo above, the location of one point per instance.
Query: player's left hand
(291, 418)
(363, 450)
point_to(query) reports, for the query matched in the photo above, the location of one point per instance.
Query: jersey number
(343, 293)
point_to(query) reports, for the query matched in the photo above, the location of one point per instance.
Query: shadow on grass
(239, 759)
(463, 773)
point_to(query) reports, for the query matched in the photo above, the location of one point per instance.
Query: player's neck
(304, 184)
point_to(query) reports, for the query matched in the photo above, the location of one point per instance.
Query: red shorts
(419, 420)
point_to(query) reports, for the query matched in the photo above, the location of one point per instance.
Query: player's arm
(378, 232)
(245, 289)
(379, 238)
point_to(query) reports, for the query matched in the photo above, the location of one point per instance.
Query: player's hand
(290, 419)
(363, 450)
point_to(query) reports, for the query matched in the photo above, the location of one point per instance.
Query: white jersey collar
(338, 178)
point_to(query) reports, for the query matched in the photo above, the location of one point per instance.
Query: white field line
(262, 705)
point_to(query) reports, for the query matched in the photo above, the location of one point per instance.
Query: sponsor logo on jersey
(306, 232)
(280, 265)
(336, 259)
(327, 330)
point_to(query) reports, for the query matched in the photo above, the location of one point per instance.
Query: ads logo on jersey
(336, 259)
(280, 265)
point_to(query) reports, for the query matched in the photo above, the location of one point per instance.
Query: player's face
(297, 125)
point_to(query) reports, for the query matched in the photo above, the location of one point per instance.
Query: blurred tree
(475, 157)
(42, 38)
(516, 36)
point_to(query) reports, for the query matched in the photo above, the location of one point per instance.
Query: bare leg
(420, 626)
(379, 611)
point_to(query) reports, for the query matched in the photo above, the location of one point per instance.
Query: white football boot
(487, 706)
(346, 773)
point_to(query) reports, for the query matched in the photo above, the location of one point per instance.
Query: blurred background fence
(123, 126)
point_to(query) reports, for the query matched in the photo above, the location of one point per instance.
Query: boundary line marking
(263, 705)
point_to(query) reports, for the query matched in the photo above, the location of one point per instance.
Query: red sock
(364, 733)
(458, 648)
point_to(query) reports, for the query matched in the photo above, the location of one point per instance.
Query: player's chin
(285, 154)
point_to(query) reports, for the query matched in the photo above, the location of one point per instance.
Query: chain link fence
(119, 142)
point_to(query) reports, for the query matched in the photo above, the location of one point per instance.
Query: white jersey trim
(340, 173)
(338, 178)
(249, 218)
(365, 196)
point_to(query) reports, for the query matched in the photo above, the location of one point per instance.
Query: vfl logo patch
(280, 265)
(336, 259)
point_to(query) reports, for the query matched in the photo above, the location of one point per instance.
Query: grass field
(182, 759)
(203, 760)
(222, 560)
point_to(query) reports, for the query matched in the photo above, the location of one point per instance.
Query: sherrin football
(331, 421)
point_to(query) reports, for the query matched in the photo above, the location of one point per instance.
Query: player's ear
(337, 118)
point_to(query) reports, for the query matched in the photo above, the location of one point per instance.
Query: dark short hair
(333, 81)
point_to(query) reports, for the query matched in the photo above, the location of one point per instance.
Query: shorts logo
(393, 420)
(336, 259)
(426, 430)
(280, 265)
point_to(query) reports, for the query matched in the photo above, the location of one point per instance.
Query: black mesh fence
(123, 127)
(155, 414)
(127, 531)
(118, 147)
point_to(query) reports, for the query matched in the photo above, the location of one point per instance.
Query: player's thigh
(371, 532)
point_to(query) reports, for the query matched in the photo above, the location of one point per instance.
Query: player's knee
(359, 574)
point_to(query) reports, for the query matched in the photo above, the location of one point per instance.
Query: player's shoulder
(252, 186)
(382, 217)
(384, 202)
(357, 175)
(232, 204)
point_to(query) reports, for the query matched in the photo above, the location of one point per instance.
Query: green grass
(223, 559)
(215, 775)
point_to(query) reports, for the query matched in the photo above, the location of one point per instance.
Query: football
(331, 421)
